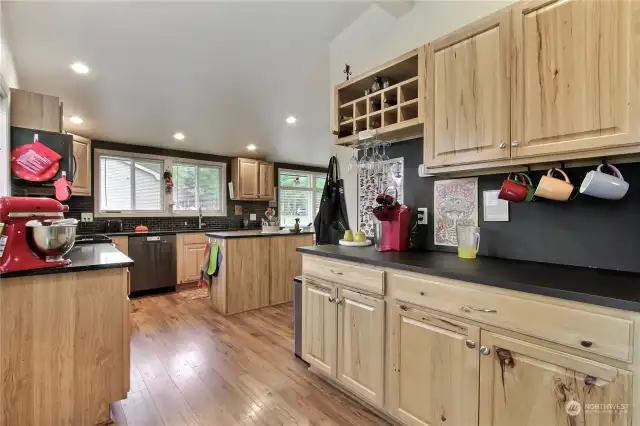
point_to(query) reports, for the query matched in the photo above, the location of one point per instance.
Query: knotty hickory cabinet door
(434, 369)
(319, 330)
(576, 85)
(528, 385)
(468, 94)
(361, 344)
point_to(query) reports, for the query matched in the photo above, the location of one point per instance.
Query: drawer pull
(586, 343)
(404, 308)
(468, 308)
(332, 299)
(470, 344)
(334, 272)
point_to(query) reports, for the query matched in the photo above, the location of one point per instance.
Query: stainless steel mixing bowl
(51, 238)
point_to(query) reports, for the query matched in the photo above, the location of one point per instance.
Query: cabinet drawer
(597, 333)
(194, 238)
(346, 273)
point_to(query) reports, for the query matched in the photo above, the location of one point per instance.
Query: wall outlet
(252, 216)
(86, 217)
(423, 216)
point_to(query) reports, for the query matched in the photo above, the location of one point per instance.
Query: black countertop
(171, 232)
(614, 289)
(85, 257)
(251, 233)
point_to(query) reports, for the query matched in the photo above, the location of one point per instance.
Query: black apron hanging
(331, 220)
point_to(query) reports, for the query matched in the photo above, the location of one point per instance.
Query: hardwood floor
(191, 366)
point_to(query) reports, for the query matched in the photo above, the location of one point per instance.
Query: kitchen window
(299, 195)
(198, 185)
(132, 185)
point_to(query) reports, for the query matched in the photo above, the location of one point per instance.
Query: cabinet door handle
(484, 350)
(586, 343)
(338, 300)
(515, 144)
(502, 145)
(470, 344)
(468, 308)
(334, 272)
(332, 299)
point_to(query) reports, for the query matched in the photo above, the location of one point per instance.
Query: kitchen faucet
(200, 224)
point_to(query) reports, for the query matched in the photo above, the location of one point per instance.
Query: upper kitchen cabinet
(467, 102)
(252, 179)
(82, 166)
(388, 99)
(576, 72)
(36, 111)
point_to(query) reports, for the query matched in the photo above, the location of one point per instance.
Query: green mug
(531, 189)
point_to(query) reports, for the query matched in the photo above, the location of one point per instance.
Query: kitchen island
(64, 340)
(426, 337)
(257, 269)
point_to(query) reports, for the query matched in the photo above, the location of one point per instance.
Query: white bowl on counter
(271, 229)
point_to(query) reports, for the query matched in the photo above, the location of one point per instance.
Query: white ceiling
(226, 74)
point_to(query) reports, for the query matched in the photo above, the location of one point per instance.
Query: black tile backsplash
(586, 232)
(80, 204)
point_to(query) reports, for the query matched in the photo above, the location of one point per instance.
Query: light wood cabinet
(121, 243)
(252, 179)
(82, 166)
(529, 385)
(575, 85)
(319, 329)
(360, 364)
(542, 81)
(434, 369)
(467, 118)
(190, 250)
(286, 263)
(35, 111)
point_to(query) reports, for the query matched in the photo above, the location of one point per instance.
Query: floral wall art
(455, 202)
(369, 186)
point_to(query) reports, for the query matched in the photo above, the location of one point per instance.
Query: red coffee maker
(391, 224)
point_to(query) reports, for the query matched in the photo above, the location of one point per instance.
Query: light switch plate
(423, 218)
(86, 217)
(252, 216)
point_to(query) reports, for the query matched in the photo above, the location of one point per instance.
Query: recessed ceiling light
(76, 119)
(178, 136)
(80, 68)
(291, 119)
(251, 147)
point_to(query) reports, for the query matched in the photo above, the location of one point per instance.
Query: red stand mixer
(20, 250)
(391, 229)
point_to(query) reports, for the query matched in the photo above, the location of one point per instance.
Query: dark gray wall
(584, 232)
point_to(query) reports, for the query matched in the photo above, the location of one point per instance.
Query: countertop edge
(64, 270)
(223, 234)
(592, 299)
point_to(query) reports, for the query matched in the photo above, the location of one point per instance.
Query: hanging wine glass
(353, 161)
(363, 164)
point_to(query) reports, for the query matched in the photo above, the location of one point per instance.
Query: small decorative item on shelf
(168, 181)
(377, 84)
(367, 92)
(375, 103)
(296, 227)
(386, 82)
(347, 70)
(389, 101)
(270, 224)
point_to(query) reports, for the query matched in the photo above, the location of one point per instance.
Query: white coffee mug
(601, 185)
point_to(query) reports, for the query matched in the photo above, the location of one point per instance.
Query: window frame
(167, 201)
(312, 189)
(223, 187)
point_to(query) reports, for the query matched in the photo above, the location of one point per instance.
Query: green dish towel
(213, 259)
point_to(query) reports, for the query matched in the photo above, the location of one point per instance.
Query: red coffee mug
(512, 190)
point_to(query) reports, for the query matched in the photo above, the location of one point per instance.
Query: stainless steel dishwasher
(155, 262)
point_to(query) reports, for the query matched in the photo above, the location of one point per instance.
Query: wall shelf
(395, 112)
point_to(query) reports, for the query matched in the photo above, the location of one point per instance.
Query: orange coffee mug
(553, 188)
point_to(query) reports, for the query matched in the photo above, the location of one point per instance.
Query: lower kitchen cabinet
(192, 260)
(361, 344)
(319, 330)
(526, 384)
(434, 369)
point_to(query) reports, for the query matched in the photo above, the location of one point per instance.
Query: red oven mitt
(63, 188)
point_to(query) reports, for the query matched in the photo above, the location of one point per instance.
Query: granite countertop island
(252, 233)
(615, 289)
(85, 257)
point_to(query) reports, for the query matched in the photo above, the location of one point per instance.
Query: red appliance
(15, 212)
(392, 233)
